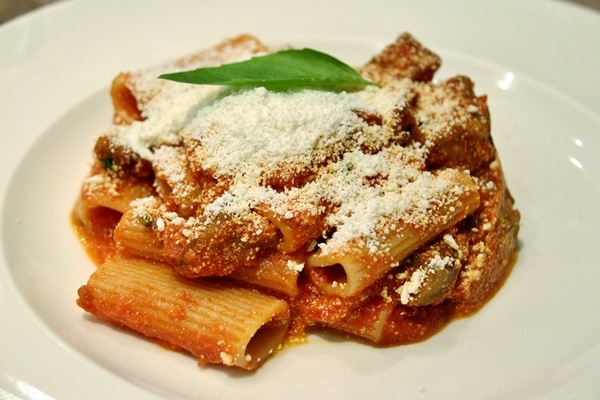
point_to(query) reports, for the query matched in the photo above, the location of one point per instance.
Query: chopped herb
(286, 69)
(146, 220)
(107, 163)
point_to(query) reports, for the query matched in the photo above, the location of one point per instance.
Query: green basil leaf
(282, 70)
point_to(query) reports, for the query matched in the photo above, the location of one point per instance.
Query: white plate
(539, 62)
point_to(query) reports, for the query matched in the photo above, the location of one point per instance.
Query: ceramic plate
(539, 63)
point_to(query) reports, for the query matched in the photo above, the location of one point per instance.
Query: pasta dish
(227, 222)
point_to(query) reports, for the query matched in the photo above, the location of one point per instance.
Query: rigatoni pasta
(227, 222)
(418, 221)
(216, 322)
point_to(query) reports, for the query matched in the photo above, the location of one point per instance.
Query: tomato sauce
(96, 234)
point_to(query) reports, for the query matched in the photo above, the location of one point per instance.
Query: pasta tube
(349, 269)
(216, 322)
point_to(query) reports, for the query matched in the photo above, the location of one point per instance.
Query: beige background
(12, 8)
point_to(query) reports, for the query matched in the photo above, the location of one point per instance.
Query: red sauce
(96, 236)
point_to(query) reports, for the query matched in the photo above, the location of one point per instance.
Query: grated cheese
(294, 266)
(344, 141)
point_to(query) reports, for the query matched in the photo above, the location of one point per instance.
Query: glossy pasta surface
(227, 223)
